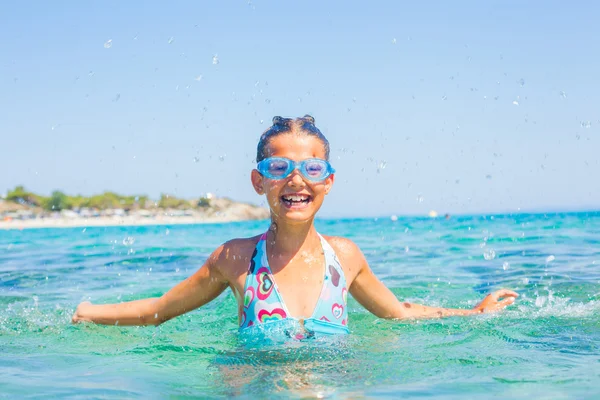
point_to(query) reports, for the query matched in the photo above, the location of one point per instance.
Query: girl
(290, 276)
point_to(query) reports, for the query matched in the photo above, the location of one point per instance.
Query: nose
(296, 179)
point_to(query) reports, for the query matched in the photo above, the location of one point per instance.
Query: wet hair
(304, 125)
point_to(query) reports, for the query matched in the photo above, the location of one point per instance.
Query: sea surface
(545, 346)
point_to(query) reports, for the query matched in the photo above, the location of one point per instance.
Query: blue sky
(459, 107)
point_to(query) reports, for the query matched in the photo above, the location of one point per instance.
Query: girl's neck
(290, 238)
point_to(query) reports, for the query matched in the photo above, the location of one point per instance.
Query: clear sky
(459, 107)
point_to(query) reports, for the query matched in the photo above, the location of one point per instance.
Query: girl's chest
(298, 286)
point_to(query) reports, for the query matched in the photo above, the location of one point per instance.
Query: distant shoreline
(37, 223)
(22, 215)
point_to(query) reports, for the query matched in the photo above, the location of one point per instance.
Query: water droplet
(381, 166)
(167, 231)
(222, 158)
(108, 44)
(586, 124)
(488, 177)
(550, 258)
(91, 73)
(394, 218)
(444, 97)
(268, 101)
(420, 199)
(128, 241)
(261, 121)
(562, 94)
(171, 40)
(394, 41)
(215, 59)
(489, 254)
(116, 98)
(198, 78)
(505, 265)
(156, 316)
(515, 102)
(522, 82)
(406, 248)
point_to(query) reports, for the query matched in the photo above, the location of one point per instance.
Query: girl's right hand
(496, 301)
(78, 315)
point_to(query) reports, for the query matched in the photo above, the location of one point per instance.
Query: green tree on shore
(57, 201)
(108, 200)
(21, 196)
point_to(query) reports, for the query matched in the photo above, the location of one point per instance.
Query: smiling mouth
(296, 200)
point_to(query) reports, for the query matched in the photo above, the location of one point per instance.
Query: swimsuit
(264, 306)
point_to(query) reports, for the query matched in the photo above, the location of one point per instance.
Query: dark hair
(305, 125)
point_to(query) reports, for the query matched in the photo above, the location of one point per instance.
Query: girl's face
(294, 199)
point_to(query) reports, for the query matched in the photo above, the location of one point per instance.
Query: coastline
(215, 210)
(40, 223)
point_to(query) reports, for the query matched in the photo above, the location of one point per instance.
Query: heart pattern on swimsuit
(335, 276)
(248, 296)
(265, 283)
(337, 310)
(252, 262)
(269, 312)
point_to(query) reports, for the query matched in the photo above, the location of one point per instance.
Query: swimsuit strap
(332, 306)
(262, 302)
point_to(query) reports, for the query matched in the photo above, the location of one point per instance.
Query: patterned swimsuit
(264, 306)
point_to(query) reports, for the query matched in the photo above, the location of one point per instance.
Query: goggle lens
(278, 168)
(315, 169)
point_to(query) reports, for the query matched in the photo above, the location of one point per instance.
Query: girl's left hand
(496, 301)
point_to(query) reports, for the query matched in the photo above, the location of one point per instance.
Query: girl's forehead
(295, 147)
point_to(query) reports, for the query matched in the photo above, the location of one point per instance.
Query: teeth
(295, 197)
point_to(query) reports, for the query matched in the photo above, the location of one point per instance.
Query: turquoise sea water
(547, 345)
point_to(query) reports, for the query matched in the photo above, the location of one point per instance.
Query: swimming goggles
(313, 169)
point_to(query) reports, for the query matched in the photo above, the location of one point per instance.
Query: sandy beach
(113, 221)
(220, 211)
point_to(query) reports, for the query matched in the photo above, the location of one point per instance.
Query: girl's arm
(202, 287)
(379, 300)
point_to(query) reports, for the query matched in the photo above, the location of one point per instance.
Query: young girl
(290, 276)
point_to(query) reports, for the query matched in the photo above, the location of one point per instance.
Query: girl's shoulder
(347, 251)
(341, 245)
(233, 256)
(349, 255)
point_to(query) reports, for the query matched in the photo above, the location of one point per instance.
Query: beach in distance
(20, 209)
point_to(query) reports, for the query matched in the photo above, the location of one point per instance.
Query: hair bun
(309, 118)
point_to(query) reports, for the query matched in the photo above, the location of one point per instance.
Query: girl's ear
(257, 181)
(329, 183)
